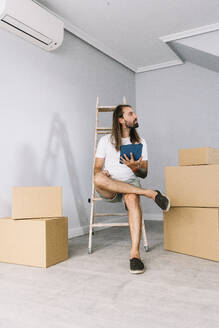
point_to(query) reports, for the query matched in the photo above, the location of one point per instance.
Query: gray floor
(98, 291)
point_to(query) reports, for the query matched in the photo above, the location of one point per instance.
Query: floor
(97, 290)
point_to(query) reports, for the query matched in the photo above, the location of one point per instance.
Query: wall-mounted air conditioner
(32, 22)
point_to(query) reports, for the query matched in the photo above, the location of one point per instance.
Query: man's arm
(141, 170)
(98, 166)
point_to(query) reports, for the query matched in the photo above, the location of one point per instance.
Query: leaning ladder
(106, 130)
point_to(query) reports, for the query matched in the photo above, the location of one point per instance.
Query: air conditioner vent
(30, 21)
(11, 21)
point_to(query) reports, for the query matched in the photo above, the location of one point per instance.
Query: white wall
(178, 107)
(48, 116)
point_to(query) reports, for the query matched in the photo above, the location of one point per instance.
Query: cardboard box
(38, 242)
(193, 186)
(198, 156)
(36, 202)
(192, 231)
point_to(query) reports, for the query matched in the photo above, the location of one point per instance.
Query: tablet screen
(135, 149)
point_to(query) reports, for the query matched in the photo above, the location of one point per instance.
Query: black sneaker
(136, 265)
(162, 201)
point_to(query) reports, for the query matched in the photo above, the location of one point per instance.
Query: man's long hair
(116, 137)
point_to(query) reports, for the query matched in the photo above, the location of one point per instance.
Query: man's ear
(121, 120)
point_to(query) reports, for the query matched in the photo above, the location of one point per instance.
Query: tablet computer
(135, 149)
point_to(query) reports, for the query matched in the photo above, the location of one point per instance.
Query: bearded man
(117, 178)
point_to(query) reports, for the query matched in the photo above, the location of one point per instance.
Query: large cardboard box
(38, 242)
(192, 231)
(193, 186)
(198, 156)
(36, 202)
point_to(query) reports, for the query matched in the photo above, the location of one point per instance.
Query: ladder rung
(104, 132)
(111, 214)
(110, 224)
(106, 108)
(104, 129)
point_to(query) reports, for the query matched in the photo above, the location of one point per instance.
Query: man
(120, 179)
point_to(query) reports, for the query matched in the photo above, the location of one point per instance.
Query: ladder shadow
(59, 140)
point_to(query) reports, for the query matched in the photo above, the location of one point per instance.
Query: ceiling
(202, 50)
(131, 31)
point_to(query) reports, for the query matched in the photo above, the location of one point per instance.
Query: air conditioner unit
(32, 22)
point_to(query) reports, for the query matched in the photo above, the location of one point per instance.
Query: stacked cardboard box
(37, 233)
(192, 224)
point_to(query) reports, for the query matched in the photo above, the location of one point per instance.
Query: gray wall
(178, 107)
(48, 116)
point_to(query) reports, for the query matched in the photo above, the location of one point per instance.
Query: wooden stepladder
(94, 198)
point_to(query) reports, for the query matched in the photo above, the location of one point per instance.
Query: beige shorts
(119, 197)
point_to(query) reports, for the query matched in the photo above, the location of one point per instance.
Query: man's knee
(131, 200)
(99, 179)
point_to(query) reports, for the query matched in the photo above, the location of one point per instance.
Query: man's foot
(162, 201)
(136, 265)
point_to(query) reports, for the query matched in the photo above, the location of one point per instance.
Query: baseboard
(80, 231)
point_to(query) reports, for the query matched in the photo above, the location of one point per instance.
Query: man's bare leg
(135, 222)
(102, 182)
(105, 193)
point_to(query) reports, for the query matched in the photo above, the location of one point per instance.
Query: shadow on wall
(27, 167)
(58, 140)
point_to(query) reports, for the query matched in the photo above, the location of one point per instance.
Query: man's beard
(135, 125)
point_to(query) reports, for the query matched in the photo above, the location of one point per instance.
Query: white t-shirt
(106, 150)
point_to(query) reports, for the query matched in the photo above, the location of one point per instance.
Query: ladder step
(110, 224)
(110, 214)
(104, 132)
(106, 108)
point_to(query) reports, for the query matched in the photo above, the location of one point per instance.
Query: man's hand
(106, 172)
(131, 163)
